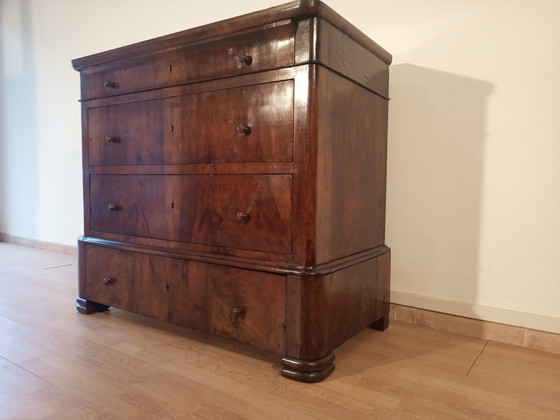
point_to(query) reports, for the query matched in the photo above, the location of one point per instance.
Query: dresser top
(294, 11)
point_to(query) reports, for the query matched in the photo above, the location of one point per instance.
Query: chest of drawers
(234, 182)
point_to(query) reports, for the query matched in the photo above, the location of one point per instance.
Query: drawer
(246, 53)
(246, 124)
(247, 306)
(251, 212)
(128, 280)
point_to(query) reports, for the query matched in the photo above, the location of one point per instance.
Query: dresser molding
(274, 16)
(234, 182)
(247, 263)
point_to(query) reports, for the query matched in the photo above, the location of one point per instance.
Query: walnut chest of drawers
(234, 182)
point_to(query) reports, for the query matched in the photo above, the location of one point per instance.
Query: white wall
(474, 166)
(474, 156)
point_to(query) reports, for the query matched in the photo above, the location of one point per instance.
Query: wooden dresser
(234, 182)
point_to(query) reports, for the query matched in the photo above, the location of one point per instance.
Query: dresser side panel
(340, 53)
(355, 298)
(351, 168)
(325, 311)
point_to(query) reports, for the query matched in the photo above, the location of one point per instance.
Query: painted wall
(474, 134)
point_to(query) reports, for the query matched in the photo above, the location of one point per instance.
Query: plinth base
(308, 370)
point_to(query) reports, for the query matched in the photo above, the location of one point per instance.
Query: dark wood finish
(337, 51)
(247, 306)
(308, 370)
(319, 319)
(200, 209)
(234, 182)
(383, 293)
(238, 54)
(296, 11)
(351, 168)
(85, 306)
(197, 128)
(134, 285)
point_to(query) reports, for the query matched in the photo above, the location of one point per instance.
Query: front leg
(381, 324)
(85, 306)
(308, 370)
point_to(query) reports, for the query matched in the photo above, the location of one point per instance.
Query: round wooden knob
(108, 281)
(237, 313)
(111, 139)
(113, 207)
(247, 59)
(109, 84)
(244, 129)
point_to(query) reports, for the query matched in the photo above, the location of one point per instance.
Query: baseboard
(46, 246)
(488, 330)
(483, 313)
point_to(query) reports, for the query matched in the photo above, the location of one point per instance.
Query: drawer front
(251, 212)
(128, 280)
(246, 53)
(247, 306)
(247, 124)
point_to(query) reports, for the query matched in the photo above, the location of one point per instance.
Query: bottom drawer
(244, 305)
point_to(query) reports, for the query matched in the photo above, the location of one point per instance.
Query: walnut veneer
(234, 182)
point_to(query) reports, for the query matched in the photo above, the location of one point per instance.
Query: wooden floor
(58, 364)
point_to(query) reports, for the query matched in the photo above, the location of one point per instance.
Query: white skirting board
(484, 313)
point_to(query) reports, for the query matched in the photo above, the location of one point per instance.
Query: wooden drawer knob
(111, 139)
(113, 207)
(107, 281)
(109, 84)
(247, 59)
(237, 314)
(244, 129)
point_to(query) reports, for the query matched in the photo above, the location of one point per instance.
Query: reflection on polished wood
(53, 367)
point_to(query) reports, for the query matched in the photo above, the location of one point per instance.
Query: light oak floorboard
(58, 364)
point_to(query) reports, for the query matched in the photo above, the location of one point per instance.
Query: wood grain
(236, 211)
(273, 48)
(246, 306)
(351, 168)
(196, 129)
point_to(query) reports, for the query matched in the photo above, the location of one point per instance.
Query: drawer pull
(109, 84)
(247, 59)
(107, 281)
(111, 139)
(237, 314)
(113, 207)
(243, 217)
(244, 129)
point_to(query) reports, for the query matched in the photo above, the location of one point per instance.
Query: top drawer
(246, 53)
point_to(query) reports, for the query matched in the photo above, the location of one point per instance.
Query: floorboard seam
(26, 370)
(476, 358)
